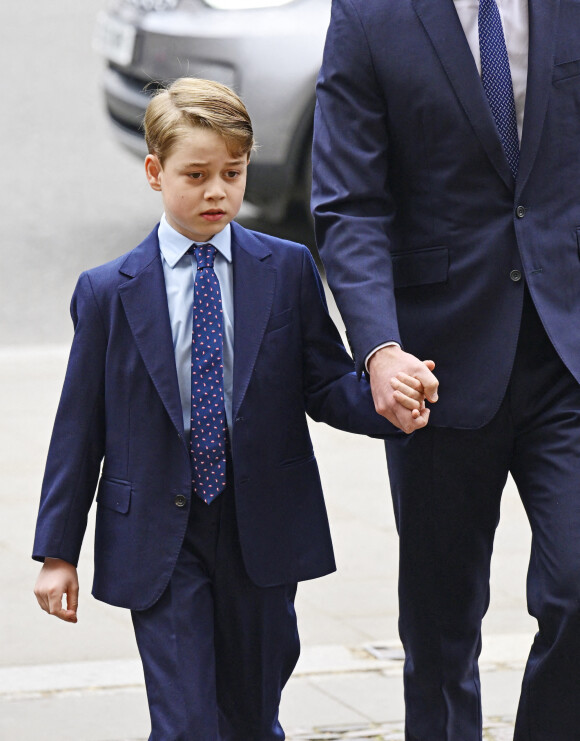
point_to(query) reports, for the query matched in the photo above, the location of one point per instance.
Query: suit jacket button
(520, 212)
(515, 275)
(180, 500)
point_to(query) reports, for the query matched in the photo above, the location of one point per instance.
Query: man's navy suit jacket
(425, 237)
(120, 404)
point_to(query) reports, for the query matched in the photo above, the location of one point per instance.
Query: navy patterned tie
(497, 80)
(208, 416)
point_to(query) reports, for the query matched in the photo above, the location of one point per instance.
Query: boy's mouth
(213, 214)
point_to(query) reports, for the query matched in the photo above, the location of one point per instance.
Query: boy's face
(201, 183)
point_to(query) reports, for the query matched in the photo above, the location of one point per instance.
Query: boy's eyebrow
(229, 163)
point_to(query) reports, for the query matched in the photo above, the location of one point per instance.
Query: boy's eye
(195, 175)
(231, 174)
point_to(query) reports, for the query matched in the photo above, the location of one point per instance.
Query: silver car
(269, 51)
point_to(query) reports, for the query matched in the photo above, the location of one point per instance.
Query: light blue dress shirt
(179, 270)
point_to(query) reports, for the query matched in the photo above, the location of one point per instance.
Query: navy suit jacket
(425, 236)
(120, 405)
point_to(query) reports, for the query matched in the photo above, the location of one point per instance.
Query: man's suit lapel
(254, 285)
(145, 302)
(543, 16)
(442, 24)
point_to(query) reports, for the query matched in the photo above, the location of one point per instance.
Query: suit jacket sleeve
(77, 443)
(352, 206)
(333, 392)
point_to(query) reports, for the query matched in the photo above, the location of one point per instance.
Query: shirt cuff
(376, 349)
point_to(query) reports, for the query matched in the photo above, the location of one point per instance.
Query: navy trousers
(216, 649)
(446, 486)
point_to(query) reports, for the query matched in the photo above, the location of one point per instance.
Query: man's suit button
(180, 500)
(520, 212)
(515, 275)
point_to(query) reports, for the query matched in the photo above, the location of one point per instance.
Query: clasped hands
(400, 385)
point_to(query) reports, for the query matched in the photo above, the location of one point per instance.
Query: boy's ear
(152, 171)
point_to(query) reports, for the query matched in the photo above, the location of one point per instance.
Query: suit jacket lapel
(145, 302)
(543, 17)
(442, 24)
(254, 285)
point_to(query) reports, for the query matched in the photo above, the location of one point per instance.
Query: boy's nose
(214, 190)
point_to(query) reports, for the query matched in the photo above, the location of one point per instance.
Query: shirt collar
(174, 245)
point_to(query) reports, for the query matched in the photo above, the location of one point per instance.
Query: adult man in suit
(441, 240)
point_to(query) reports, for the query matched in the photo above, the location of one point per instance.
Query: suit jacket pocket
(566, 71)
(420, 267)
(277, 321)
(115, 494)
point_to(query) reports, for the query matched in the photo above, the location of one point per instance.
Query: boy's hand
(400, 383)
(56, 579)
(409, 391)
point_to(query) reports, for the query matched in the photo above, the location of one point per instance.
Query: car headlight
(245, 4)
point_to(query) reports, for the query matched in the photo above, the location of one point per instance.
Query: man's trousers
(446, 486)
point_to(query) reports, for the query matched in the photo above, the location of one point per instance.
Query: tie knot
(204, 254)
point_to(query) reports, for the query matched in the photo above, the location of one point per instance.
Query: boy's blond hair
(192, 102)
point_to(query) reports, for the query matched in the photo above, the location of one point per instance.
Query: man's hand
(400, 383)
(56, 579)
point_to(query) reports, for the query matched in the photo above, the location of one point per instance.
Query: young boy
(210, 508)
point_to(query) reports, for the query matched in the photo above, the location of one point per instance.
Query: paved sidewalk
(335, 693)
(61, 682)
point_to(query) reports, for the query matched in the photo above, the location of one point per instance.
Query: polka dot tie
(208, 416)
(497, 80)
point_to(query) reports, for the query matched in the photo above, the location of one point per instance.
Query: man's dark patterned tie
(497, 80)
